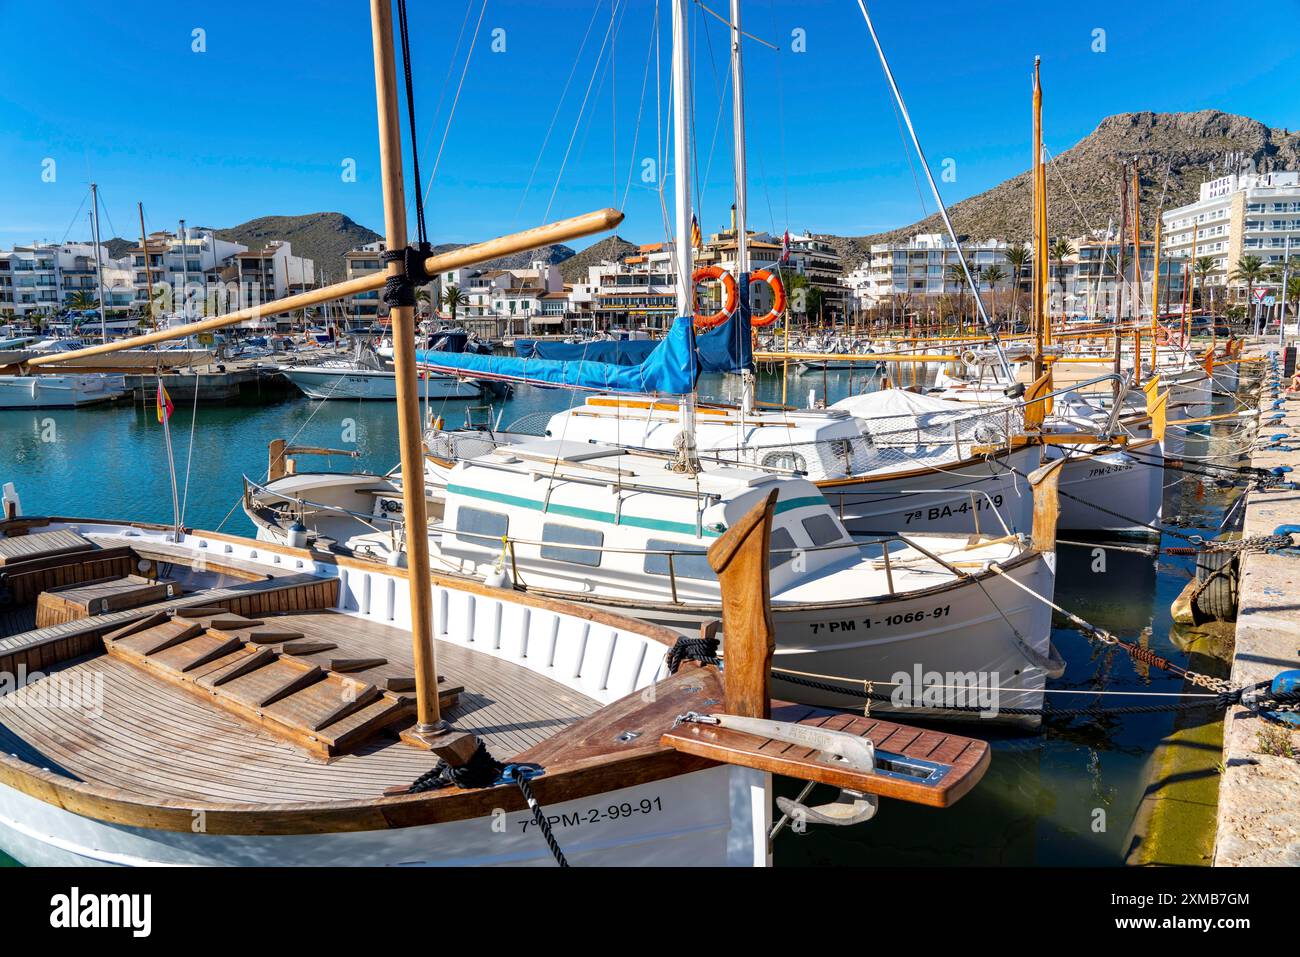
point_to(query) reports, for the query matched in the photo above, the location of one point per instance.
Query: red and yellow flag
(165, 407)
(697, 238)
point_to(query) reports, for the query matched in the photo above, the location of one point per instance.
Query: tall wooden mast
(409, 440)
(1042, 335)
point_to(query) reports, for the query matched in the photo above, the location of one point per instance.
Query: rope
(703, 650)
(484, 771)
(1219, 701)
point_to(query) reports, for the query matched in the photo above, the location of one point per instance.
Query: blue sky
(262, 121)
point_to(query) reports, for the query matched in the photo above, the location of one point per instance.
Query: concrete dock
(1259, 793)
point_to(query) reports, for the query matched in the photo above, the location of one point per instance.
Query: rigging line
(437, 160)
(587, 121)
(556, 114)
(189, 455)
(721, 19)
(636, 129)
(582, 109)
(75, 217)
(703, 183)
(404, 32)
(442, 92)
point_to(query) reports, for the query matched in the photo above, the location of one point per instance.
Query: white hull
(59, 391)
(876, 641)
(1119, 483)
(970, 499)
(706, 818)
(325, 383)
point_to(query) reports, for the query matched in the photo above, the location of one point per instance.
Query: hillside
(1083, 182)
(609, 249)
(321, 237)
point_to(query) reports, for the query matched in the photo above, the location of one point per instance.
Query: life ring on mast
(778, 297)
(728, 295)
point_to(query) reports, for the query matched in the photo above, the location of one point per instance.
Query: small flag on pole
(165, 407)
(785, 247)
(697, 238)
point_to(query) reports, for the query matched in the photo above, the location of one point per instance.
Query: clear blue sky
(261, 122)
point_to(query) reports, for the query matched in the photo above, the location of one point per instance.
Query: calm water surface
(1036, 805)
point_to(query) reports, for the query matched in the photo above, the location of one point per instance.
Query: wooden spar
(409, 439)
(1155, 292)
(740, 559)
(1137, 274)
(1039, 317)
(597, 221)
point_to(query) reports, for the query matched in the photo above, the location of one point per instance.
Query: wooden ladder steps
(302, 689)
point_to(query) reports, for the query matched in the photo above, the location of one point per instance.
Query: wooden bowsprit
(863, 757)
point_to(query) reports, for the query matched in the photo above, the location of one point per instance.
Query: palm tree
(1202, 267)
(1018, 258)
(993, 275)
(80, 301)
(453, 299)
(1059, 251)
(422, 300)
(1250, 270)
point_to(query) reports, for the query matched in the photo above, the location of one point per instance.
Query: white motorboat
(59, 391)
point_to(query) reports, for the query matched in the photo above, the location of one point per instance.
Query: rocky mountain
(1083, 182)
(609, 249)
(321, 237)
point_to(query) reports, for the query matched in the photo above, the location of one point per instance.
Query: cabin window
(782, 548)
(822, 529)
(568, 535)
(481, 528)
(687, 563)
(785, 460)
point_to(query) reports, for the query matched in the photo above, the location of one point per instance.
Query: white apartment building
(504, 302)
(43, 279)
(362, 309)
(922, 267)
(1241, 214)
(199, 260)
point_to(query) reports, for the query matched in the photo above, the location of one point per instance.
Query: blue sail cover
(619, 352)
(728, 347)
(670, 369)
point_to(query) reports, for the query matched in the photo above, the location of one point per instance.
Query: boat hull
(708, 818)
(966, 499)
(323, 383)
(1115, 492)
(989, 634)
(59, 391)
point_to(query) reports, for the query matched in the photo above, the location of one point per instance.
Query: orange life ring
(778, 297)
(728, 295)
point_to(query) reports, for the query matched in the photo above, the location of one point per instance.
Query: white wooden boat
(241, 712)
(611, 528)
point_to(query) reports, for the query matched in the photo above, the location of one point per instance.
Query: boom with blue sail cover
(671, 369)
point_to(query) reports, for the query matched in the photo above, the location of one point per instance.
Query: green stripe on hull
(609, 518)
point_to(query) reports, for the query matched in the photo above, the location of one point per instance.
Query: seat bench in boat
(100, 596)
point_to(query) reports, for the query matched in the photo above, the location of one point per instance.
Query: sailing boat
(283, 671)
(626, 529)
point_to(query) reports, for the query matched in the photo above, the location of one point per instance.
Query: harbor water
(1066, 794)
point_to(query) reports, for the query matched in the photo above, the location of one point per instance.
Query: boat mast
(99, 265)
(742, 197)
(185, 274)
(148, 271)
(682, 251)
(410, 443)
(1039, 284)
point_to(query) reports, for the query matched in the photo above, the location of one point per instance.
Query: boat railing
(509, 543)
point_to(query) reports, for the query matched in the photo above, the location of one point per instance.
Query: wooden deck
(154, 738)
